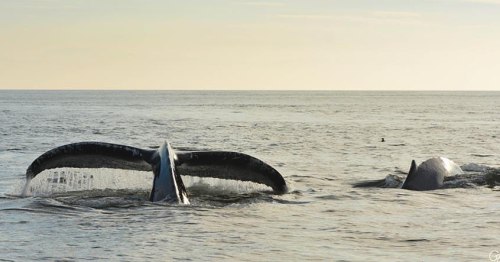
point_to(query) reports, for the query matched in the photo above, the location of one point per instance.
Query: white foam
(62, 180)
(222, 185)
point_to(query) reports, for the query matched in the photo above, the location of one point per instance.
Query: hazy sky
(250, 44)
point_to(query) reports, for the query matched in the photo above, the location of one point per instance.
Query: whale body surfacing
(430, 174)
(166, 164)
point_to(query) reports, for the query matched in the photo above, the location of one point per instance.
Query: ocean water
(321, 142)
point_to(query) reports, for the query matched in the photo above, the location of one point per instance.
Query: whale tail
(167, 165)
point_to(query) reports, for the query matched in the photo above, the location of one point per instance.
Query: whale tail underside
(216, 164)
(93, 155)
(230, 165)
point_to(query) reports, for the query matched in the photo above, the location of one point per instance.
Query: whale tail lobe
(166, 164)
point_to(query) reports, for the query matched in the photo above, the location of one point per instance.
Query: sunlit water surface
(322, 143)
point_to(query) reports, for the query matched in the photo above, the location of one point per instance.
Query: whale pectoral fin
(92, 155)
(230, 165)
(411, 175)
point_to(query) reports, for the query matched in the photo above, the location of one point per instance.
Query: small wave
(43, 206)
(222, 200)
(105, 199)
(390, 181)
(53, 205)
(417, 240)
(328, 197)
(19, 209)
(14, 149)
(483, 155)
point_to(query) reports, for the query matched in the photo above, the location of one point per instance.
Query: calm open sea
(321, 142)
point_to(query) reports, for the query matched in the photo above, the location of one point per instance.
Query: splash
(221, 186)
(63, 180)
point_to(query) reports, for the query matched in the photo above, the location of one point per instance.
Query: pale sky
(250, 44)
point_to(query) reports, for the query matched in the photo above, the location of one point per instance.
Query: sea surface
(321, 142)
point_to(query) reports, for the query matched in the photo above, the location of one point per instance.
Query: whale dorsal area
(430, 174)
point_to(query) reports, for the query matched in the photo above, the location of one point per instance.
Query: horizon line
(259, 90)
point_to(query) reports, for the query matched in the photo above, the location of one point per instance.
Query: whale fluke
(166, 164)
(93, 155)
(230, 165)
